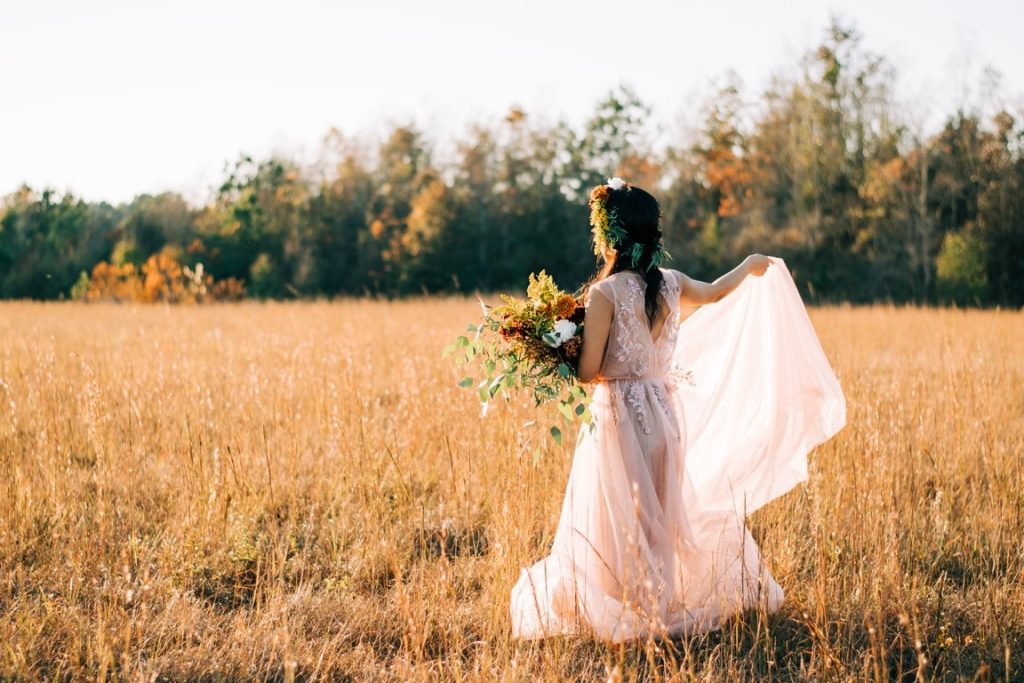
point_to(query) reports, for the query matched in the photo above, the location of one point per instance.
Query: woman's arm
(696, 293)
(597, 324)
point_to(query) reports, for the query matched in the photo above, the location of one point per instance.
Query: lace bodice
(632, 353)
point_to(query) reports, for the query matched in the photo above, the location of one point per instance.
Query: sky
(113, 98)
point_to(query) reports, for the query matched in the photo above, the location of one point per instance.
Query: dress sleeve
(673, 278)
(602, 288)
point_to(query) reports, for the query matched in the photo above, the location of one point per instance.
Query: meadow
(300, 491)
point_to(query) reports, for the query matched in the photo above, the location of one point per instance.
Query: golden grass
(301, 491)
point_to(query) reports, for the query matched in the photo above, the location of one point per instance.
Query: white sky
(110, 98)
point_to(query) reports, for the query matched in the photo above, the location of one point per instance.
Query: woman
(694, 427)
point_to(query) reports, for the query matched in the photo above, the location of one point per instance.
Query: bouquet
(530, 344)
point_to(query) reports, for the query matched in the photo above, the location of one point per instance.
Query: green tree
(258, 212)
(47, 239)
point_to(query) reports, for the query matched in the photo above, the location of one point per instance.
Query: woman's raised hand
(758, 264)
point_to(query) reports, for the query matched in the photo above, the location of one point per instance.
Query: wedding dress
(692, 431)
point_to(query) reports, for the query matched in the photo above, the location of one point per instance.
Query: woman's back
(635, 349)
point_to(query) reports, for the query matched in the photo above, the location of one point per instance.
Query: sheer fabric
(692, 431)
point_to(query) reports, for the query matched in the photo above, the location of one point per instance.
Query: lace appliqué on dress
(662, 399)
(665, 345)
(678, 375)
(635, 397)
(630, 347)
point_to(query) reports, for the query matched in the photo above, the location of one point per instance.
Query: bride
(696, 424)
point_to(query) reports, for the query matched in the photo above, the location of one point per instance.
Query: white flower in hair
(616, 183)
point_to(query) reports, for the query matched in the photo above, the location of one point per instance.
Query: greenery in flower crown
(605, 225)
(610, 233)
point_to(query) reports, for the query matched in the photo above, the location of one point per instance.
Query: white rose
(565, 329)
(563, 332)
(616, 183)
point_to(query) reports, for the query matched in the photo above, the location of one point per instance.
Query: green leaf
(580, 408)
(473, 328)
(564, 370)
(466, 382)
(491, 366)
(556, 434)
(510, 380)
(461, 342)
(566, 411)
(447, 350)
(484, 396)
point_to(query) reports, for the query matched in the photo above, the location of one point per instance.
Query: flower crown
(610, 233)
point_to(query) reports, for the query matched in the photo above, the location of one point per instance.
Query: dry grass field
(300, 492)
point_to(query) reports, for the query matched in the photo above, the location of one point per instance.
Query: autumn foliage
(160, 279)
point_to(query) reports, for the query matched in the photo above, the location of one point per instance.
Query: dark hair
(639, 214)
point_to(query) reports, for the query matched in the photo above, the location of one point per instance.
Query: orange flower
(565, 306)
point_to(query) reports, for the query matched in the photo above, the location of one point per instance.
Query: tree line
(821, 167)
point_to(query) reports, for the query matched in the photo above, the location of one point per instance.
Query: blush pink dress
(692, 431)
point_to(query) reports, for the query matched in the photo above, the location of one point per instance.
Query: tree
(257, 214)
(46, 240)
(337, 216)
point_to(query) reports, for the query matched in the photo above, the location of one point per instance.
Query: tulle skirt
(651, 538)
(627, 559)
